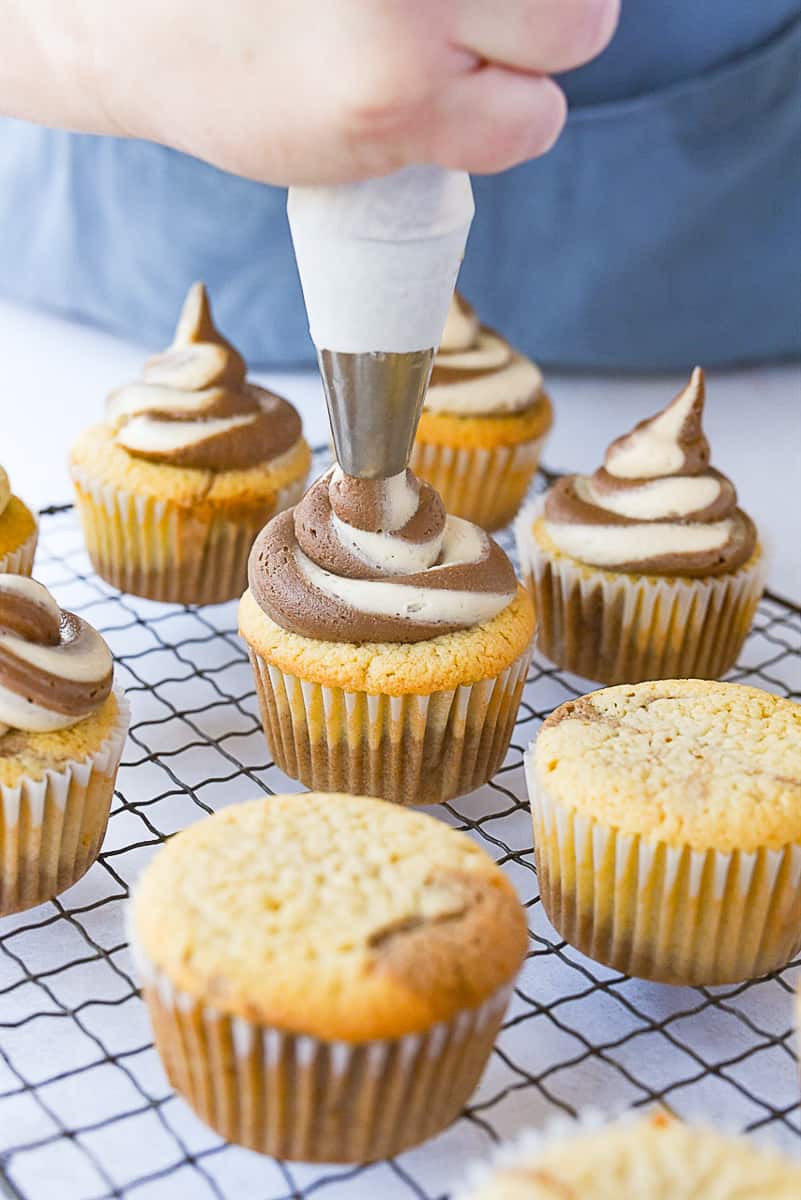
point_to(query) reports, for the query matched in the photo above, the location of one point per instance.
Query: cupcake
(667, 828)
(191, 460)
(646, 569)
(390, 643)
(18, 531)
(332, 975)
(633, 1158)
(484, 421)
(62, 729)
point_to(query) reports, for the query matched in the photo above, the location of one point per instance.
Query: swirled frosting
(476, 372)
(193, 406)
(55, 669)
(5, 491)
(656, 506)
(376, 561)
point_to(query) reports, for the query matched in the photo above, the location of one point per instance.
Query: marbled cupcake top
(193, 406)
(55, 669)
(477, 373)
(377, 561)
(656, 506)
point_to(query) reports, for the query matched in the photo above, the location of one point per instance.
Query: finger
(536, 35)
(490, 120)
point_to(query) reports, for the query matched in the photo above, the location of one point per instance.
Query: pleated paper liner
(663, 912)
(51, 829)
(20, 561)
(313, 1100)
(411, 749)
(619, 628)
(165, 551)
(483, 485)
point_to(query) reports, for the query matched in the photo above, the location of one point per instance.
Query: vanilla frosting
(55, 669)
(656, 506)
(377, 560)
(5, 491)
(476, 372)
(193, 406)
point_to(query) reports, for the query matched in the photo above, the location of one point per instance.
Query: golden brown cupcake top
(645, 1158)
(713, 766)
(335, 916)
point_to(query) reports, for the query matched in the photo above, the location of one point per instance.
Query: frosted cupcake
(190, 462)
(646, 569)
(332, 973)
(18, 531)
(485, 418)
(62, 729)
(390, 643)
(632, 1158)
(667, 828)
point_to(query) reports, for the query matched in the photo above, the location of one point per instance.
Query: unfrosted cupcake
(18, 531)
(332, 973)
(484, 421)
(646, 569)
(390, 643)
(191, 461)
(62, 729)
(632, 1158)
(667, 828)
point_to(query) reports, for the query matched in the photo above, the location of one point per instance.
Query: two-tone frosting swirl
(377, 561)
(656, 506)
(193, 406)
(5, 490)
(55, 669)
(476, 372)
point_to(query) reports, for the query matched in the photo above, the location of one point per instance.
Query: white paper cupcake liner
(20, 561)
(619, 628)
(664, 912)
(483, 485)
(305, 1098)
(410, 749)
(51, 829)
(165, 551)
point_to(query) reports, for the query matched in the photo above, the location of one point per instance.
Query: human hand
(310, 91)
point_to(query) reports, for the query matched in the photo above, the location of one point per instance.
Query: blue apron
(663, 229)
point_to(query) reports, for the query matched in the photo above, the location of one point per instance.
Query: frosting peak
(55, 669)
(476, 372)
(376, 561)
(193, 406)
(671, 443)
(656, 506)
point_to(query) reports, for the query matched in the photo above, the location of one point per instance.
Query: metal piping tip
(374, 402)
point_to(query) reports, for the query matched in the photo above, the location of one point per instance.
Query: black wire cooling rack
(85, 1110)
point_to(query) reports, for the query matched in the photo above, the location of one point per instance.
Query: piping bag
(378, 262)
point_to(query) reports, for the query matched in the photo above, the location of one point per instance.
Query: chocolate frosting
(55, 668)
(656, 506)
(376, 561)
(193, 406)
(476, 372)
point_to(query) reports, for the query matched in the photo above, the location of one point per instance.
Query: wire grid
(86, 1112)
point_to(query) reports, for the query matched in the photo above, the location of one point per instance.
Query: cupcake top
(335, 916)
(193, 406)
(655, 507)
(476, 372)
(376, 561)
(682, 761)
(646, 1158)
(55, 669)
